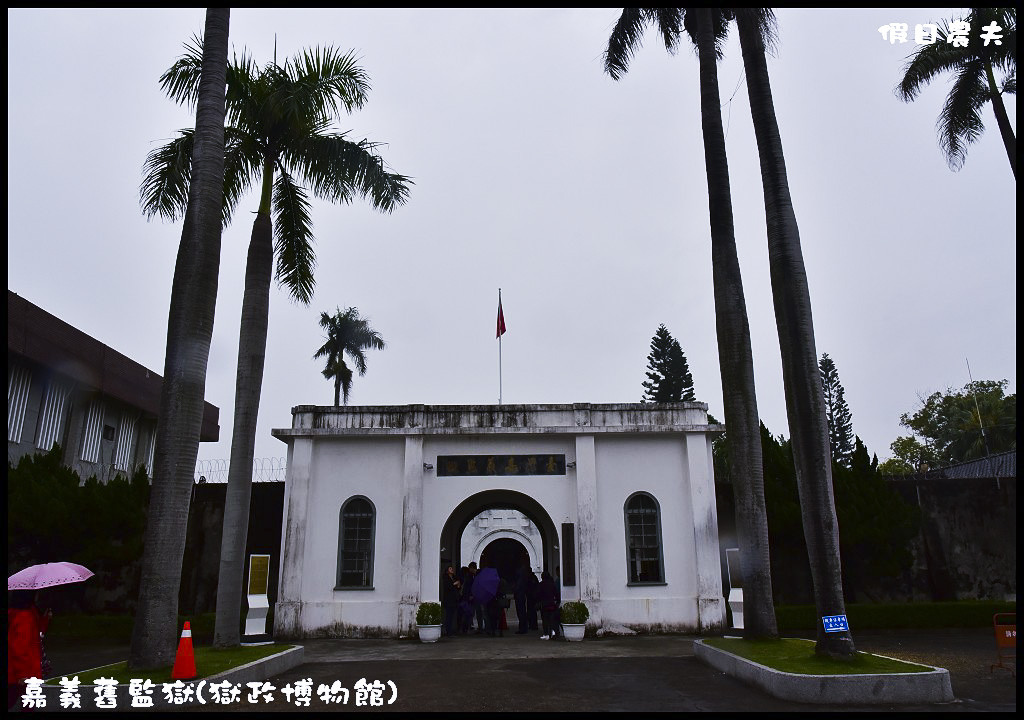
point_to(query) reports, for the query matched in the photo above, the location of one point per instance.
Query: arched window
(644, 558)
(355, 544)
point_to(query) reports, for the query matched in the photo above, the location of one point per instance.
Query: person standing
(558, 603)
(478, 607)
(531, 600)
(25, 628)
(520, 592)
(450, 600)
(465, 614)
(547, 598)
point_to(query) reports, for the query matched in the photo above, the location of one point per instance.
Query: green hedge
(885, 616)
(117, 629)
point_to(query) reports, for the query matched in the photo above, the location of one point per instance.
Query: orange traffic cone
(185, 660)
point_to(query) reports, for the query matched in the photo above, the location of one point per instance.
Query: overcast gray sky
(584, 199)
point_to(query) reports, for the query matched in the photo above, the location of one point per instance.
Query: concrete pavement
(637, 673)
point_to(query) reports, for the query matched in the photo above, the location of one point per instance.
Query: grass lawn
(209, 661)
(795, 655)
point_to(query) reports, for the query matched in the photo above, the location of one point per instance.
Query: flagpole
(499, 350)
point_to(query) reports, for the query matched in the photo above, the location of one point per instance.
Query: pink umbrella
(47, 575)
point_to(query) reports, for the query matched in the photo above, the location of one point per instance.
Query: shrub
(429, 613)
(575, 612)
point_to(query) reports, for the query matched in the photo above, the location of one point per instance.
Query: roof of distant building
(1000, 465)
(43, 338)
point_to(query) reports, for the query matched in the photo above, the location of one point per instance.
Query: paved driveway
(643, 673)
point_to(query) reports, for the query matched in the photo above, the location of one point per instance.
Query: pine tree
(668, 376)
(840, 420)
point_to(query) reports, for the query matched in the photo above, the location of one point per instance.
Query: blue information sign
(835, 623)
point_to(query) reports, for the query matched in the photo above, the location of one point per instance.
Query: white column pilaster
(412, 527)
(587, 531)
(288, 608)
(700, 469)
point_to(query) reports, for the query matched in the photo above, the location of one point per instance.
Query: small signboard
(259, 574)
(259, 603)
(835, 623)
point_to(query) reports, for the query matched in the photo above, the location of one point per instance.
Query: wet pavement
(637, 673)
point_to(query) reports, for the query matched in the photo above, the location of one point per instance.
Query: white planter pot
(574, 632)
(429, 633)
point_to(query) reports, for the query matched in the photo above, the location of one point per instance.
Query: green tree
(347, 334)
(805, 404)
(668, 373)
(279, 119)
(965, 424)
(837, 412)
(189, 332)
(876, 526)
(98, 525)
(909, 456)
(707, 30)
(973, 64)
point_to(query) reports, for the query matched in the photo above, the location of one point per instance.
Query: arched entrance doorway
(504, 547)
(506, 555)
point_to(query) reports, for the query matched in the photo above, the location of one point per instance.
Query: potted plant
(428, 621)
(574, 619)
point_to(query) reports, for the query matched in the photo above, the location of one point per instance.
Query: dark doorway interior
(506, 555)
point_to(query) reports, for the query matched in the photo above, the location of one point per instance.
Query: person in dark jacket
(450, 586)
(547, 599)
(478, 608)
(521, 590)
(465, 615)
(531, 600)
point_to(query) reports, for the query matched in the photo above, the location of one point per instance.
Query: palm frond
(931, 60)
(720, 18)
(625, 40)
(242, 164)
(241, 98)
(293, 238)
(165, 178)
(763, 19)
(321, 78)
(1010, 85)
(337, 169)
(669, 22)
(181, 80)
(960, 122)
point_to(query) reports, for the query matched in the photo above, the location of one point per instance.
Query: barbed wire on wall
(263, 470)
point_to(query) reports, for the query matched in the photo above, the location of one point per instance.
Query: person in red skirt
(25, 627)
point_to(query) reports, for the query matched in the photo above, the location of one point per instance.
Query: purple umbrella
(47, 575)
(485, 585)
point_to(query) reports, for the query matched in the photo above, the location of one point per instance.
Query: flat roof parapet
(575, 418)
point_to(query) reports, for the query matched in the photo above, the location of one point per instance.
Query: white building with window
(65, 387)
(620, 499)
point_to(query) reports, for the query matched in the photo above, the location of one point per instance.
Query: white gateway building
(618, 499)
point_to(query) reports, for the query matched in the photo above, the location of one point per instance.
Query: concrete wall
(967, 548)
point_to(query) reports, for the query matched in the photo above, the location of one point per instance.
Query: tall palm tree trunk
(734, 354)
(189, 332)
(805, 404)
(1002, 119)
(252, 349)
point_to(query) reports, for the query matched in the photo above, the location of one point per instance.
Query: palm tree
(347, 333)
(189, 332)
(707, 29)
(805, 402)
(278, 122)
(974, 81)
